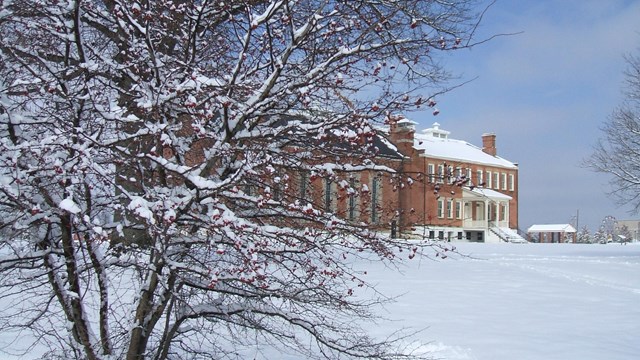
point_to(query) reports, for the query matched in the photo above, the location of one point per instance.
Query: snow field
(521, 301)
(498, 302)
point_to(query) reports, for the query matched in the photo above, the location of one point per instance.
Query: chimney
(403, 130)
(489, 143)
(402, 133)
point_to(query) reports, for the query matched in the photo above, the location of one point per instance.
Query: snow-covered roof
(404, 120)
(436, 143)
(488, 193)
(567, 228)
(386, 148)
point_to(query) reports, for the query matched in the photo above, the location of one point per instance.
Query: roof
(567, 228)
(488, 193)
(385, 148)
(436, 143)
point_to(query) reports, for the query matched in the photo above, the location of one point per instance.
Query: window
(304, 187)
(432, 234)
(459, 235)
(503, 211)
(458, 210)
(489, 179)
(512, 185)
(479, 179)
(376, 193)
(503, 181)
(277, 188)
(248, 190)
(441, 235)
(353, 200)
(328, 197)
(468, 175)
(440, 208)
(496, 180)
(440, 175)
(430, 172)
(450, 209)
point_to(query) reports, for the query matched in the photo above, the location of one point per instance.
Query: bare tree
(618, 153)
(150, 166)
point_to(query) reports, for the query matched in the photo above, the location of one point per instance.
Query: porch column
(506, 212)
(465, 205)
(487, 212)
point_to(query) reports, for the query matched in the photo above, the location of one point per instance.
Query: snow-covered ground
(522, 301)
(516, 301)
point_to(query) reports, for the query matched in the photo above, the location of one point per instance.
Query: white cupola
(436, 132)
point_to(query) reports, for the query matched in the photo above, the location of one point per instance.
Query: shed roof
(563, 228)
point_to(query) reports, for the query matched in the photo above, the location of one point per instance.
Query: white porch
(485, 208)
(485, 214)
(485, 218)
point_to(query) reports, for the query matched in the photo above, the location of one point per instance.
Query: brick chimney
(402, 133)
(489, 143)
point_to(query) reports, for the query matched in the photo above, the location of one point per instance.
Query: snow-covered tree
(624, 234)
(609, 226)
(600, 236)
(618, 152)
(584, 235)
(152, 159)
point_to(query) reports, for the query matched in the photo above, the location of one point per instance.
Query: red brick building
(434, 187)
(470, 193)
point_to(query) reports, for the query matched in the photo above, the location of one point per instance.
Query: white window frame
(440, 208)
(512, 182)
(431, 172)
(503, 211)
(489, 179)
(503, 181)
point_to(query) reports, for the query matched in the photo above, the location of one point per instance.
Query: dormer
(436, 132)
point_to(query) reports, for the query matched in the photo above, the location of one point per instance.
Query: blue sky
(545, 93)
